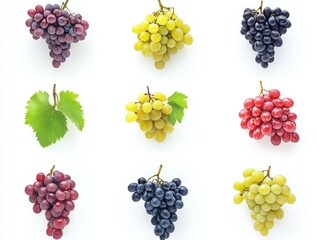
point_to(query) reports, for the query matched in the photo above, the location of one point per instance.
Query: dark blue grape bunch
(263, 29)
(162, 200)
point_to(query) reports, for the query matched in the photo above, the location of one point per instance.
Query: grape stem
(148, 92)
(51, 170)
(267, 173)
(162, 6)
(261, 6)
(262, 90)
(65, 6)
(157, 175)
(55, 96)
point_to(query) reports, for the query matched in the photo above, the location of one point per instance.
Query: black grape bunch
(263, 28)
(58, 27)
(162, 200)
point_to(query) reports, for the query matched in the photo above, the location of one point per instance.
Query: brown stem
(162, 6)
(267, 174)
(261, 88)
(157, 175)
(148, 92)
(55, 95)
(51, 171)
(159, 170)
(64, 6)
(261, 6)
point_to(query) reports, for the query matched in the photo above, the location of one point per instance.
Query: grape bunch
(161, 33)
(151, 113)
(265, 196)
(58, 27)
(268, 114)
(162, 200)
(55, 194)
(263, 28)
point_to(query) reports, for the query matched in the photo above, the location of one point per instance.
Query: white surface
(208, 151)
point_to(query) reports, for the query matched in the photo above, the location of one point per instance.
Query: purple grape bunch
(58, 27)
(55, 194)
(263, 28)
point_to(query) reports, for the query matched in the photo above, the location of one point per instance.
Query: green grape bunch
(156, 114)
(265, 196)
(161, 34)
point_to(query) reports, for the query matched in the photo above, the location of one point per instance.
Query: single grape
(57, 233)
(257, 176)
(59, 223)
(147, 107)
(52, 187)
(280, 180)
(131, 117)
(157, 105)
(29, 190)
(238, 198)
(160, 135)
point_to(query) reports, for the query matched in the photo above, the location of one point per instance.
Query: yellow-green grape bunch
(151, 112)
(265, 196)
(161, 33)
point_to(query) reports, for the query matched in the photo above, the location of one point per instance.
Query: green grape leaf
(48, 123)
(179, 99)
(71, 108)
(177, 113)
(178, 103)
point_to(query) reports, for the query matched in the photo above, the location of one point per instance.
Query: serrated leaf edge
(33, 129)
(172, 114)
(76, 96)
(183, 97)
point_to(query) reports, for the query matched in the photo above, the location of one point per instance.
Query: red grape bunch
(53, 193)
(268, 114)
(58, 27)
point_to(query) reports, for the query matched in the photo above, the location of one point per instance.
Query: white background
(208, 151)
